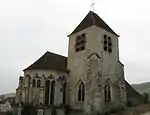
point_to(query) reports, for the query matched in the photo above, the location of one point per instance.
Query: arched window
(28, 80)
(81, 92)
(52, 92)
(107, 92)
(47, 90)
(80, 42)
(33, 83)
(64, 92)
(38, 83)
(107, 43)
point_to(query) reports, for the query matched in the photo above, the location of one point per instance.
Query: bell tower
(93, 56)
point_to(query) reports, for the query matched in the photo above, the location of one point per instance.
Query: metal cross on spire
(92, 5)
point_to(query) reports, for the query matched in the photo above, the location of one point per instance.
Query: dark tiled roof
(50, 61)
(131, 93)
(92, 19)
(8, 99)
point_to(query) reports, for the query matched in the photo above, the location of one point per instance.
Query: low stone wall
(46, 111)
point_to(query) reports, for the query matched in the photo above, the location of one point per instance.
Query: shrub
(29, 110)
(129, 103)
(9, 113)
(145, 98)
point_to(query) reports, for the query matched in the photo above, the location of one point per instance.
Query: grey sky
(28, 28)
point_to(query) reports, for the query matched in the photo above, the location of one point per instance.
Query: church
(90, 79)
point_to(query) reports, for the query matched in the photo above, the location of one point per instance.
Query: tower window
(105, 37)
(78, 37)
(77, 49)
(82, 48)
(83, 35)
(81, 92)
(105, 48)
(109, 50)
(107, 44)
(109, 38)
(80, 43)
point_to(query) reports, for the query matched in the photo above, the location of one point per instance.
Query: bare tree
(2, 97)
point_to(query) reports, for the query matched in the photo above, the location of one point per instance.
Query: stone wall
(26, 93)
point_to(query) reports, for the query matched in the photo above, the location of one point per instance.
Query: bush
(29, 110)
(145, 98)
(9, 113)
(129, 103)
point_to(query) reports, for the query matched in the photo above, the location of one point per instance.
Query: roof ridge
(105, 23)
(93, 19)
(92, 16)
(56, 54)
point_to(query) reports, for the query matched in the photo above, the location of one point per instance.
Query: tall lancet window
(107, 92)
(64, 92)
(33, 83)
(52, 94)
(81, 92)
(47, 91)
(38, 83)
(80, 43)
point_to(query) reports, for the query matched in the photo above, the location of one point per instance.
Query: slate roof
(131, 93)
(90, 20)
(9, 99)
(50, 61)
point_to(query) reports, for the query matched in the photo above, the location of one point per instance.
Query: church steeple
(90, 20)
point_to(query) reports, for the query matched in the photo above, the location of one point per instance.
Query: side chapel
(91, 78)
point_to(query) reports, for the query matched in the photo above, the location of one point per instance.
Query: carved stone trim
(93, 54)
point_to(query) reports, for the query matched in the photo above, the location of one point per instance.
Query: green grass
(142, 88)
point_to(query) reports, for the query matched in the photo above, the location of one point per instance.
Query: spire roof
(90, 20)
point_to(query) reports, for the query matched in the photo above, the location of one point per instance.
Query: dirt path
(146, 113)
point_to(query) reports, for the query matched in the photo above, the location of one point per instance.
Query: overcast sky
(28, 28)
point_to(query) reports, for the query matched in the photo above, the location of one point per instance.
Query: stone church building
(90, 79)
